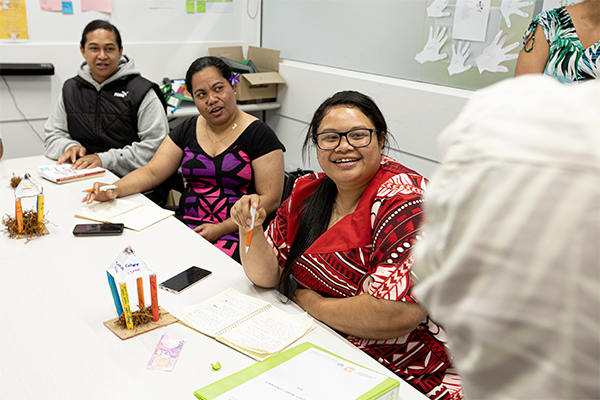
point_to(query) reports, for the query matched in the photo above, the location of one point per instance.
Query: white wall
(162, 42)
(415, 112)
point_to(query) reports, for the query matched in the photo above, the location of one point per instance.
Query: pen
(103, 188)
(249, 234)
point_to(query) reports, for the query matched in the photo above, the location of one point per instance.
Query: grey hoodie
(152, 124)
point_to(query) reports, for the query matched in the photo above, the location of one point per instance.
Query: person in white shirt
(510, 262)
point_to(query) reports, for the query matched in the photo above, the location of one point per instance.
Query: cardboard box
(258, 87)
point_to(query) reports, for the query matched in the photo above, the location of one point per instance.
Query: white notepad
(133, 215)
(249, 325)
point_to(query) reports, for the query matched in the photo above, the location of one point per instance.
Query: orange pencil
(102, 188)
(249, 234)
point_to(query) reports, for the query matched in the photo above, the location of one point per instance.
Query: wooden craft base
(45, 231)
(164, 319)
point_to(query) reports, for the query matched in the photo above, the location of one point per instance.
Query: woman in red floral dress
(341, 245)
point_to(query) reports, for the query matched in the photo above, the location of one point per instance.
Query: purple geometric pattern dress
(214, 184)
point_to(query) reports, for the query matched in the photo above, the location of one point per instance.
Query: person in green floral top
(571, 49)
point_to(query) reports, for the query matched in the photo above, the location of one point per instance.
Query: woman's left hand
(210, 232)
(88, 161)
(307, 299)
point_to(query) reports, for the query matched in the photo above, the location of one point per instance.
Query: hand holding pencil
(246, 213)
(100, 192)
(249, 234)
(102, 188)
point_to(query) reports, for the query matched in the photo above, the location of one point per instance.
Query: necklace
(224, 136)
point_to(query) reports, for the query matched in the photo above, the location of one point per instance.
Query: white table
(54, 296)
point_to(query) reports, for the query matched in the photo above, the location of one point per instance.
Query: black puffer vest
(105, 119)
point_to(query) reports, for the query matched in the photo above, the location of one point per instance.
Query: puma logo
(122, 95)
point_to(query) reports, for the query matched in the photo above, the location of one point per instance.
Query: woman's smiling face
(350, 168)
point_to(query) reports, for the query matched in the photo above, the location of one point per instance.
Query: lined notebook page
(142, 217)
(107, 210)
(219, 312)
(270, 331)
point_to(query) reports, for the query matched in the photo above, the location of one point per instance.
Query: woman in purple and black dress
(224, 153)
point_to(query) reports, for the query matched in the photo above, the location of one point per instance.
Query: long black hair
(100, 24)
(316, 210)
(205, 62)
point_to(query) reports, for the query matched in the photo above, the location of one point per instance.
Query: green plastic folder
(271, 376)
(242, 67)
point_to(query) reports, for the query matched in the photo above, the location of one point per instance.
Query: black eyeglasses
(360, 137)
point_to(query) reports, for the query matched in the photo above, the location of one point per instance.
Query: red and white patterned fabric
(369, 251)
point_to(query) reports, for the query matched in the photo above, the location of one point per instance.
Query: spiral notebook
(249, 325)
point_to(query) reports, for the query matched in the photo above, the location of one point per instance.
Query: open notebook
(249, 325)
(133, 215)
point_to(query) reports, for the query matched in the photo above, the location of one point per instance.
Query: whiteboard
(380, 37)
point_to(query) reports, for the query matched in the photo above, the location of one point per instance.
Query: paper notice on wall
(13, 20)
(104, 6)
(471, 20)
(51, 5)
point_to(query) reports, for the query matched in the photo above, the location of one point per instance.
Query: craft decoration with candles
(29, 188)
(128, 267)
(26, 223)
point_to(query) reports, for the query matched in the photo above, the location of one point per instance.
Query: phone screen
(98, 229)
(185, 279)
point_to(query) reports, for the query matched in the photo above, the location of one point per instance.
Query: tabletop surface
(54, 298)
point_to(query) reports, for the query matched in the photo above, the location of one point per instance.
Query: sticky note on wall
(67, 7)
(195, 6)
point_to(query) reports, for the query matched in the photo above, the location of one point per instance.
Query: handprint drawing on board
(493, 55)
(431, 51)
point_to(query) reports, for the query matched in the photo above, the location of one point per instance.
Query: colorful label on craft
(19, 215)
(128, 266)
(140, 289)
(154, 296)
(126, 307)
(166, 353)
(40, 209)
(115, 294)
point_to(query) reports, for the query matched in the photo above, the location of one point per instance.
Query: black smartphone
(98, 229)
(185, 279)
